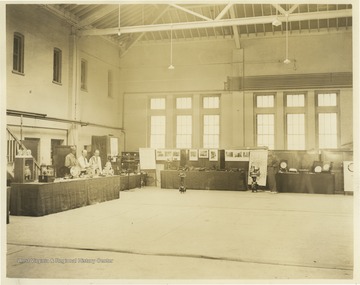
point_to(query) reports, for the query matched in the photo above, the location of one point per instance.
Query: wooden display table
(39, 199)
(205, 180)
(318, 183)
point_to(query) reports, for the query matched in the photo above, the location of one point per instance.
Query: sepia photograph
(203, 153)
(193, 154)
(179, 142)
(213, 155)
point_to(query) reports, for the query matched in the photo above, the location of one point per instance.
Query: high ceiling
(127, 24)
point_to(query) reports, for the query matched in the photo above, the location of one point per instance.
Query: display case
(130, 161)
(24, 169)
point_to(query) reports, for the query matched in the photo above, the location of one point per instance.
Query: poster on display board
(237, 155)
(258, 158)
(193, 154)
(167, 154)
(147, 158)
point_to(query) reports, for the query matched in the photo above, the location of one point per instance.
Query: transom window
(183, 131)
(265, 101)
(183, 103)
(295, 100)
(327, 99)
(212, 102)
(157, 132)
(157, 103)
(211, 131)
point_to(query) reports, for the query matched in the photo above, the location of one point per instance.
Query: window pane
(57, 65)
(265, 101)
(327, 99)
(295, 100)
(157, 132)
(184, 131)
(183, 103)
(295, 131)
(266, 130)
(327, 130)
(18, 53)
(157, 104)
(212, 102)
(83, 74)
(211, 131)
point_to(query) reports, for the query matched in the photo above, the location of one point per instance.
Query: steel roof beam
(191, 12)
(223, 12)
(235, 28)
(218, 23)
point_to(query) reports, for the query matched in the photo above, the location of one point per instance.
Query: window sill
(18, 72)
(57, 83)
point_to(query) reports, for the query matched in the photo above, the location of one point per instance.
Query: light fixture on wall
(171, 51)
(287, 60)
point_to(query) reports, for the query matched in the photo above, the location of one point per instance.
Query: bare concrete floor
(160, 234)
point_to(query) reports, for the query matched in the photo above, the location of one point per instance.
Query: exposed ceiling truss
(136, 23)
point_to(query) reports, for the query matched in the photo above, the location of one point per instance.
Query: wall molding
(290, 81)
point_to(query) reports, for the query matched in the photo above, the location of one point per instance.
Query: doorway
(54, 144)
(34, 145)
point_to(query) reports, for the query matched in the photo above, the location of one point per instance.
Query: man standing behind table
(70, 159)
(95, 162)
(272, 169)
(83, 162)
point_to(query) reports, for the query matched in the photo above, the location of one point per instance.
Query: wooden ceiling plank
(161, 13)
(100, 13)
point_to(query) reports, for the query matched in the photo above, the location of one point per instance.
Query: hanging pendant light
(276, 22)
(119, 33)
(171, 51)
(287, 60)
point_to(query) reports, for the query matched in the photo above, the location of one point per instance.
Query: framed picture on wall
(213, 155)
(168, 154)
(176, 155)
(229, 154)
(203, 153)
(193, 154)
(160, 154)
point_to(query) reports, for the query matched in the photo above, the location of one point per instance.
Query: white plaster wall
(204, 67)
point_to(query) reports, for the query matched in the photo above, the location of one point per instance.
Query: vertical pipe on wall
(243, 93)
(21, 128)
(73, 88)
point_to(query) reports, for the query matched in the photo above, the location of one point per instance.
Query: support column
(238, 106)
(73, 98)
